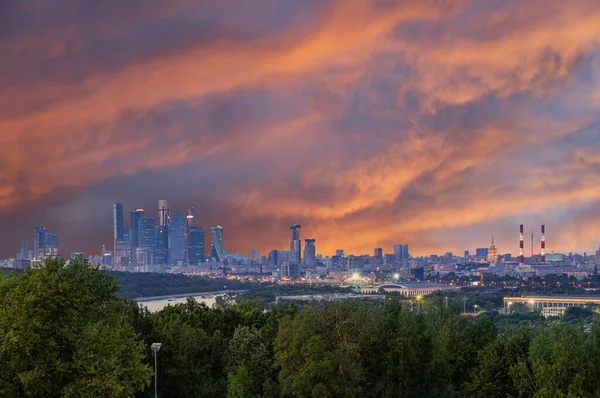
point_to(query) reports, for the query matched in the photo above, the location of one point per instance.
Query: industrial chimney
(543, 249)
(521, 254)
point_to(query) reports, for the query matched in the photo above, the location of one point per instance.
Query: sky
(434, 123)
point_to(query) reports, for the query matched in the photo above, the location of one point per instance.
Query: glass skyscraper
(176, 239)
(117, 224)
(134, 220)
(295, 244)
(217, 243)
(45, 244)
(195, 245)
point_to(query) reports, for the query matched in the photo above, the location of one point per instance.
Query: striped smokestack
(543, 248)
(521, 254)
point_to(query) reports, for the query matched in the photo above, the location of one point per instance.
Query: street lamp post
(155, 347)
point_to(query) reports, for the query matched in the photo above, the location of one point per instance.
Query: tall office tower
(164, 213)
(176, 240)
(339, 252)
(45, 244)
(295, 244)
(310, 252)
(162, 244)
(134, 230)
(398, 252)
(117, 223)
(189, 222)
(217, 250)
(466, 253)
(378, 254)
(256, 255)
(123, 254)
(146, 240)
(23, 252)
(405, 254)
(273, 258)
(195, 245)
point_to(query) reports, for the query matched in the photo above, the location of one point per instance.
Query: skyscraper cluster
(168, 240)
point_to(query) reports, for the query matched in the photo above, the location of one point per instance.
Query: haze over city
(432, 123)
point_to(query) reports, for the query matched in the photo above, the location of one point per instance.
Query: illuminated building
(176, 240)
(551, 305)
(45, 244)
(295, 244)
(492, 253)
(134, 220)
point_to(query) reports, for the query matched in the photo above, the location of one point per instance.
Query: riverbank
(185, 295)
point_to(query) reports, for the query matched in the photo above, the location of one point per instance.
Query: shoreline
(218, 292)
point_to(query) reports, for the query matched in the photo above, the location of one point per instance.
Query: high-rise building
(189, 222)
(482, 252)
(310, 251)
(146, 236)
(123, 253)
(295, 244)
(134, 220)
(401, 252)
(117, 223)
(339, 252)
(256, 255)
(217, 250)
(22, 255)
(164, 213)
(161, 255)
(45, 244)
(195, 245)
(273, 257)
(176, 239)
(466, 253)
(398, 251)
(378, 255)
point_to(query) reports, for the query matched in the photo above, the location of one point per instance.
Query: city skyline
(176, 229)
(431, 123)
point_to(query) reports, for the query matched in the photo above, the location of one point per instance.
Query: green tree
(249, 350)
(64, 332)
(492, 377)
(556, 366)
(239, 383)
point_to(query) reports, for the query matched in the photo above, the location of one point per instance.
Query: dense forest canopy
(65, 331)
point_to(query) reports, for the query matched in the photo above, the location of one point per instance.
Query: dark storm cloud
(368, 121)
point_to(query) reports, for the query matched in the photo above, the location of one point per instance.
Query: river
(158, 303)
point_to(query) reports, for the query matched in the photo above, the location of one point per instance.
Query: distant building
(256, 255)
(162, 244)
(401, 252)
(217, 250)
(22, 255)
(177, 240)
(466, 253)
(492, 252)
(339, 252)
(45, 244)
(295, 244)
(164, 213)
(195, 249)
(378, 255)
(146, 237)
(309, 251)
(482, 252)
(117, 223)
(273, 258)
(134, 230)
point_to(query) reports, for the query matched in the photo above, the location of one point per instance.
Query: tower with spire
(493, 252)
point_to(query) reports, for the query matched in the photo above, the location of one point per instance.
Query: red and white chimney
(543, 248)
(521, 254)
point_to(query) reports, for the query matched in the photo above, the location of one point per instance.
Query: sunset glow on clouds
(370, 122)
